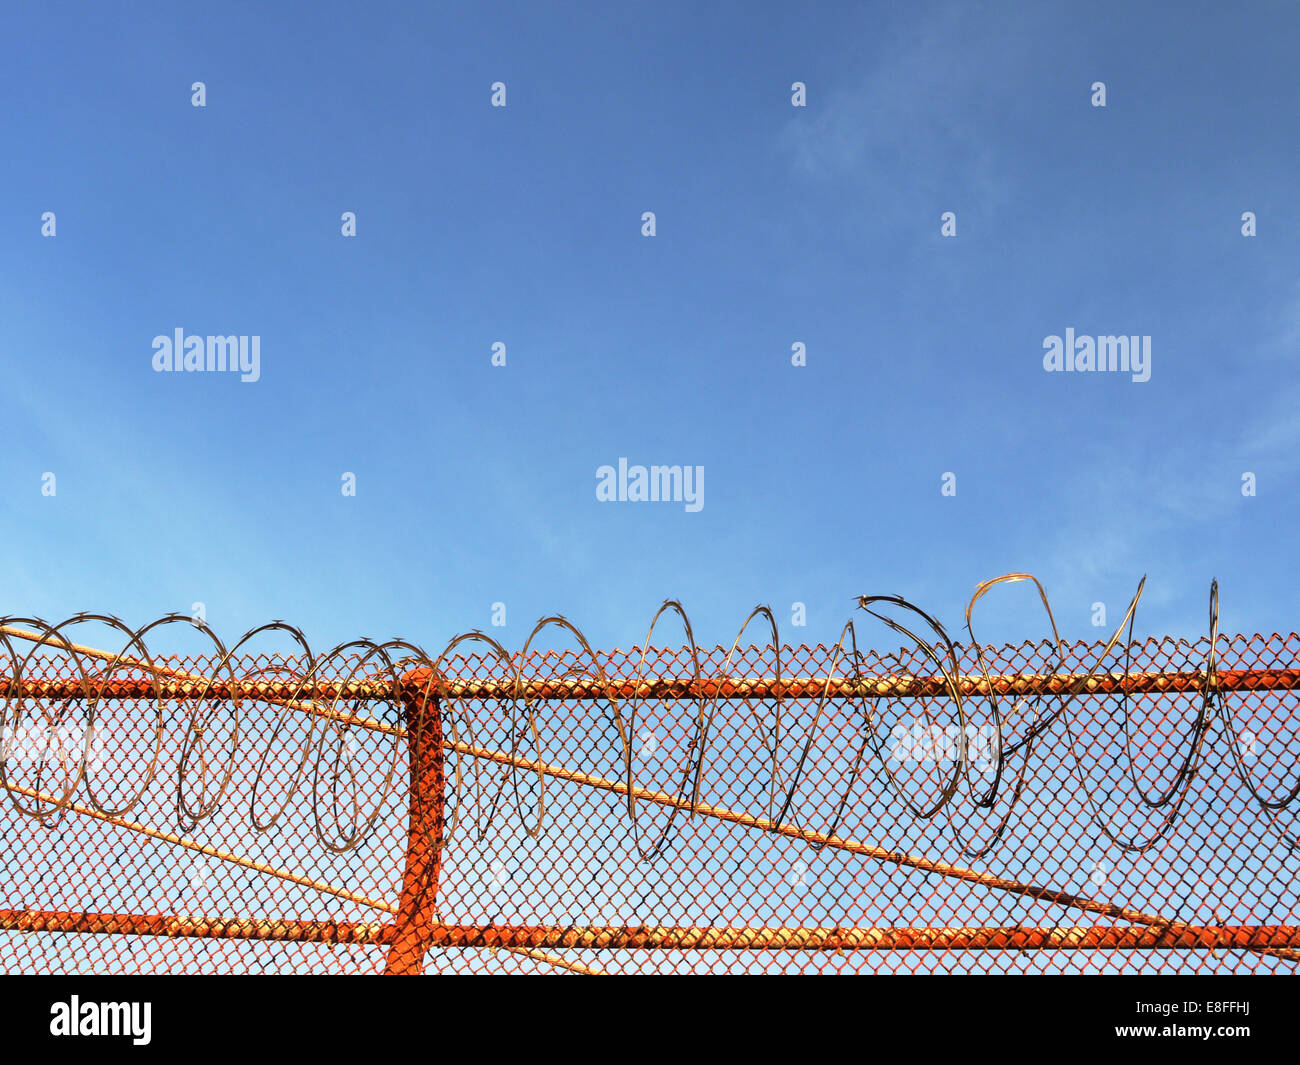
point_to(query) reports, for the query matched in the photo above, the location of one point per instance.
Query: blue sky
(522, 224)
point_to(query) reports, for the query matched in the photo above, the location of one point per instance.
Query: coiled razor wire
(380, 675)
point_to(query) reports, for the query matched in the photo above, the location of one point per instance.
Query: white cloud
(921, 123)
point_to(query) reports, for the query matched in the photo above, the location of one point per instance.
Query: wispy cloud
(925, 111)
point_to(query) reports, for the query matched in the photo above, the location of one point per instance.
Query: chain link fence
(810, 809)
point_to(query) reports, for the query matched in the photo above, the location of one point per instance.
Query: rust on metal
(377, 808)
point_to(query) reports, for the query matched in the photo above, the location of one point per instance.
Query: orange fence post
(416, 917)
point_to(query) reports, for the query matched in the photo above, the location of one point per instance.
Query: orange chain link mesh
(598, 813)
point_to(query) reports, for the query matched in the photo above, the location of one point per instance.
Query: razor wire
(492, 710)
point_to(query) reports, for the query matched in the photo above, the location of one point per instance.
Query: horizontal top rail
(897, 686)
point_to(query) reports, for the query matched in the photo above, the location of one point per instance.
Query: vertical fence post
(415, 915)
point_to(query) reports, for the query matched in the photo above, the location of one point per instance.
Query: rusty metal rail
(589, 689)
